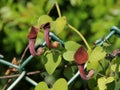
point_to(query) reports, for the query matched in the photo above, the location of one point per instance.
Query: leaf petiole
(58, 9)
(75, 30)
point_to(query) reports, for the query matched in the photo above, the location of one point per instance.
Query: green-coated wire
(56, 38)
(25, 62)
(106, 38)
(31, 81)
(9, 64)
(17, 81)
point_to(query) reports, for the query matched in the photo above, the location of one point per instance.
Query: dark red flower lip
(32, 38)
(46, 28)
(33, 33)
(81, 55)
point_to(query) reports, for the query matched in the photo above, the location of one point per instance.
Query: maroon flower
(32, 38)
(46, 28)
(81, 56)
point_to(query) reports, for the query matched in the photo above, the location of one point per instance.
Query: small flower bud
(40, 51)
(55, 44)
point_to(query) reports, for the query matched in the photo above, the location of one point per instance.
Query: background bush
(92, 18)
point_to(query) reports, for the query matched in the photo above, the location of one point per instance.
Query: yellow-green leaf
(102, 82)
(58, 25)
(71, 45)
(71, 48)
(95, 56)
(44, 19)
(52, 63)
(69, 55)
(60, 84)
(113, 67)
(42, 86)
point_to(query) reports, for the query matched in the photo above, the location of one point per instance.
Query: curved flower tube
(81, 56)
(32, 38)
(46, 28)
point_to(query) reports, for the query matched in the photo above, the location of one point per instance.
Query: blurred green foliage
(92, 18)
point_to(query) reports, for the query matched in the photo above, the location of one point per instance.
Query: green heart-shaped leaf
(60, 84)
(69, 55)
(71, 45)
(58, 25)
(52, 63)
(42, 86)
(103, 81)
(44, 19)
(71, 48)
(94, 57)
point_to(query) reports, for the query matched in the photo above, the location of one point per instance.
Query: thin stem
(58, 9)
(75, 30)
(23, 55)
(17, 75)
(51, 8)
(100, 74)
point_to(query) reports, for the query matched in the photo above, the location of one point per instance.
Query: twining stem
(58, 9)
(51, 8)
(75, 30)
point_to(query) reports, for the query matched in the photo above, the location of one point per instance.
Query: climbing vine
(96, 65)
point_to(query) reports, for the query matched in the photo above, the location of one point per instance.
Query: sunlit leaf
(60, 84)
(113, 67)
(71, 45)
(71, 48)
(44, 19)
(42, 86)
(69, 55)
(95, 56)
(58, 25)
(109, 79)
(103, 81)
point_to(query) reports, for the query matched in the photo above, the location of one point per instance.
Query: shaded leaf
(52, 63)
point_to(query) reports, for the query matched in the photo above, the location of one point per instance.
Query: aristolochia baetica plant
(81, 57)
